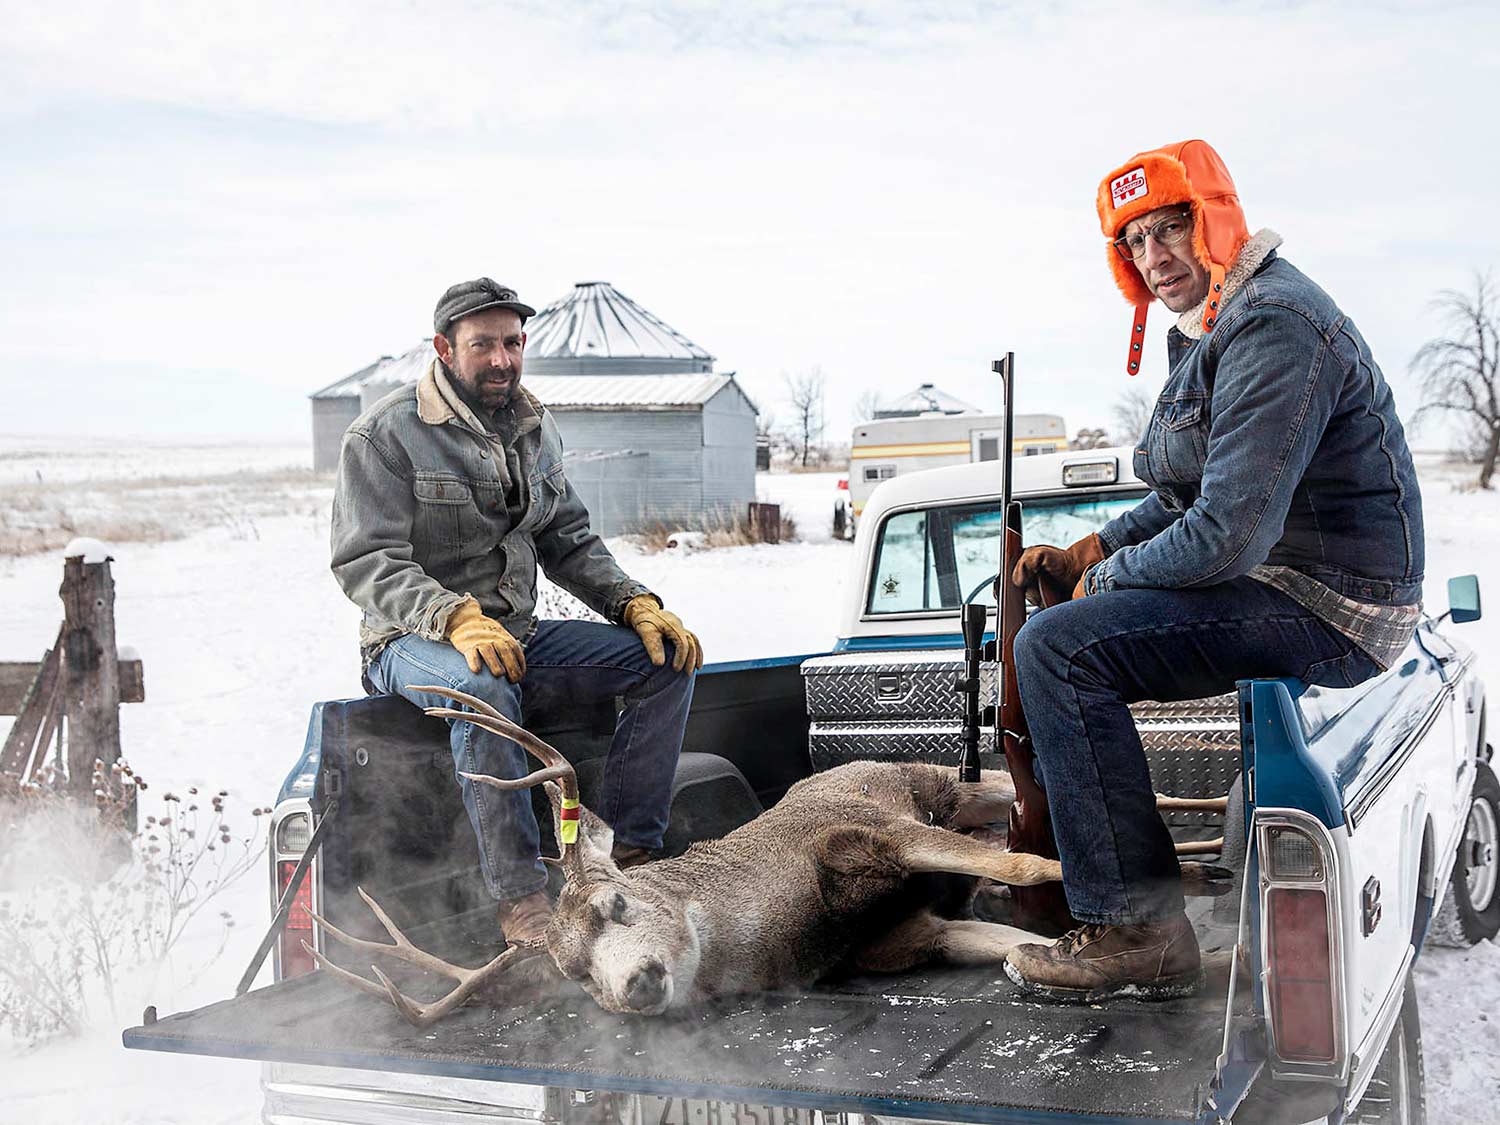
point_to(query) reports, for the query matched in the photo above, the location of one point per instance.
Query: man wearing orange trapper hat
(1283, 537)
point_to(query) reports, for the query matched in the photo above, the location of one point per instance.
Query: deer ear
(595, 838)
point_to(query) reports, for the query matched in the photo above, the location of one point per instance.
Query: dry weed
(711, 530)
(88, 906)
(45, 516)
(556, 604)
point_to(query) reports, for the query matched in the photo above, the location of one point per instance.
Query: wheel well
(1481, 746)
(1427, 890)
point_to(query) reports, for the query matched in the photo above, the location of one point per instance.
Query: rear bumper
(324, 1095)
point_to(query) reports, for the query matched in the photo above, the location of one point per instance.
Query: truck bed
(948, 1044)
(944, 1044)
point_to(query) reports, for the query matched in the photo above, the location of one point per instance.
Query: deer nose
(647, 987)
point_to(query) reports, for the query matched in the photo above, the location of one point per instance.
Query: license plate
(697, 1111)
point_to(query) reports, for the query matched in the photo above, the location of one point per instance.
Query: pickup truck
(1348, 814)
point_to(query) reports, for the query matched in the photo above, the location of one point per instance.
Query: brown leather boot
(1152, 961)
(523, 921)
(628, 855)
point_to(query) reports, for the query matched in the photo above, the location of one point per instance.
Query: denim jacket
(420, 522)
(1275, 441)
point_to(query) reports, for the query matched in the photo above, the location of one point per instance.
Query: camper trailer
(891, 447)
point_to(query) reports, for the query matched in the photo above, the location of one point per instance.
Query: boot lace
(1080, 936)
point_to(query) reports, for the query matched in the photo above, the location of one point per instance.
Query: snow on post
(90, 550)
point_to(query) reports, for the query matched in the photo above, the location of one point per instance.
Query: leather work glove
(1056, 572)
(482, 638)
(651, 622)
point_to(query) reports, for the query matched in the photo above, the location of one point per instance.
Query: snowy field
(147, 492)
(242, 629)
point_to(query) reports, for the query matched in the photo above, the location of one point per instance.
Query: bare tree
(804, 391)
(1460, 372)
(1132, 411)
(1089, 439)
(865, 406)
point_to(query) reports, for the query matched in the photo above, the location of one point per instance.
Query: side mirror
(1463, 598)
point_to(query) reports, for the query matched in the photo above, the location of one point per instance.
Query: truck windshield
(934, 558)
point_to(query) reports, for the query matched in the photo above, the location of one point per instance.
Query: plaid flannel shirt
(1381, 631)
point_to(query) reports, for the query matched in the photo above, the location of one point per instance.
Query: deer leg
(985, 801)
(903, 946)
(924, 938)
(1206, 880)
(925, 848)
(968, 942)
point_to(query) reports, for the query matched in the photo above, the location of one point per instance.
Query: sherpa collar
(1249, 259)
(438, 402)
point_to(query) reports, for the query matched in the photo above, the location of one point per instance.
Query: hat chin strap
(1137, 339)
(1215, 295)
(1210, 318)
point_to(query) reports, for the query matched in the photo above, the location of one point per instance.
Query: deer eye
(617, 909)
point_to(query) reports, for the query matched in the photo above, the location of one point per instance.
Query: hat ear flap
(1200, 237)
(1127, 278)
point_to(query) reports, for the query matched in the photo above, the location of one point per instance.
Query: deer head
(629, 944)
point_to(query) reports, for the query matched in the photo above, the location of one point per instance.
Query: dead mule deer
(838, 873)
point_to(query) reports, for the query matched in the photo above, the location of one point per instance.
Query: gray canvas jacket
(420, 522)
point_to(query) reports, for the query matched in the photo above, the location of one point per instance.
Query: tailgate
(951, 1044)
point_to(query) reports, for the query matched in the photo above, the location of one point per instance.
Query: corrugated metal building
(335, 407)
(650, 437)
(597, 330)
(697, 432)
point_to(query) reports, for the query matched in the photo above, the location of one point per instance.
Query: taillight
(1300, 943)
(843, 484)
(1302, 1000)
(292, 835)
(295, 961)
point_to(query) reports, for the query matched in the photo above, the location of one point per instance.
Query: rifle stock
(1044, 907)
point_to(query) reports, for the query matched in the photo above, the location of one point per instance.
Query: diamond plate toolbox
(907, 684)
(893, 706)
(900, 706)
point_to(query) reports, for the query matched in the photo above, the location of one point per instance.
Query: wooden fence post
(92, 670)
(766, 520)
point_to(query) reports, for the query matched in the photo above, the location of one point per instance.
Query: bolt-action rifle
(1043, 907)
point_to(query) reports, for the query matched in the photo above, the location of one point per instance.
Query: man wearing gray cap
(450, 493)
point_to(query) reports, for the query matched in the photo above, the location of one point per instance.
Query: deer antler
(470, 981)
(555, 766)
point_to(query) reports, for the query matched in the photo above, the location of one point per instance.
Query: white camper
(890, 447)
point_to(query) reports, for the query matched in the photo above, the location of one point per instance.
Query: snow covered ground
(242, 629)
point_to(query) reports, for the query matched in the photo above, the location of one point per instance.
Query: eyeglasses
(1167, 232)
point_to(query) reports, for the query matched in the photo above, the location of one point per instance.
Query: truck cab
(1343, 815)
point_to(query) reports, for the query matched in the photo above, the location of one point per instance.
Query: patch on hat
(1132, 185)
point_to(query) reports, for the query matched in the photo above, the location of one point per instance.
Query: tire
(1470, 912)
(1397, 1095)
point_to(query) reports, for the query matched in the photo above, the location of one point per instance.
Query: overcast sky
(212, 210)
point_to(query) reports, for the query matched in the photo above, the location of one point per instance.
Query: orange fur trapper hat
(1189, 172)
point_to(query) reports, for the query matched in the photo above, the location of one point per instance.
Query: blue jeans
(1079, 663)
(567, 663)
